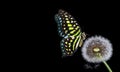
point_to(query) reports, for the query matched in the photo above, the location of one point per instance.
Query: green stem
(108, 67)
(105, 63)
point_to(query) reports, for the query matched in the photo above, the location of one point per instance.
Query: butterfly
(70, 31)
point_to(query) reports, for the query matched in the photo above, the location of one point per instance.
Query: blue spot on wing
(59, 23)
(63, 46)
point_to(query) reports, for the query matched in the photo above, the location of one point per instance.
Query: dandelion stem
(105, 63)
(108, 67)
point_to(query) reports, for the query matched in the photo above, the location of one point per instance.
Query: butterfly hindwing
(69, 45)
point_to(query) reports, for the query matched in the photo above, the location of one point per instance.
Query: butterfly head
(83, 37)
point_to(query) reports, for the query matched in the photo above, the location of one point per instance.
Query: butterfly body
(69, 29)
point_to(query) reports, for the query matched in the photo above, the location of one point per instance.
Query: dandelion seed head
(97, 45)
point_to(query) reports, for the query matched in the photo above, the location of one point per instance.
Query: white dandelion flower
(97, 49)
(97, 45)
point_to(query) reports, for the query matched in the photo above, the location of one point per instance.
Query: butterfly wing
(69, 45)
(67, 25)
(70, 30)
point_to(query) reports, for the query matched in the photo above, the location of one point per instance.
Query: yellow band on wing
(71, 28)
(69, 24)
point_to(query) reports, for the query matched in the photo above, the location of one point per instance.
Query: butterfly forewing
(67, 25)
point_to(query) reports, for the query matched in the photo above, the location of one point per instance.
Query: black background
(95, 18)
(36, 43)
